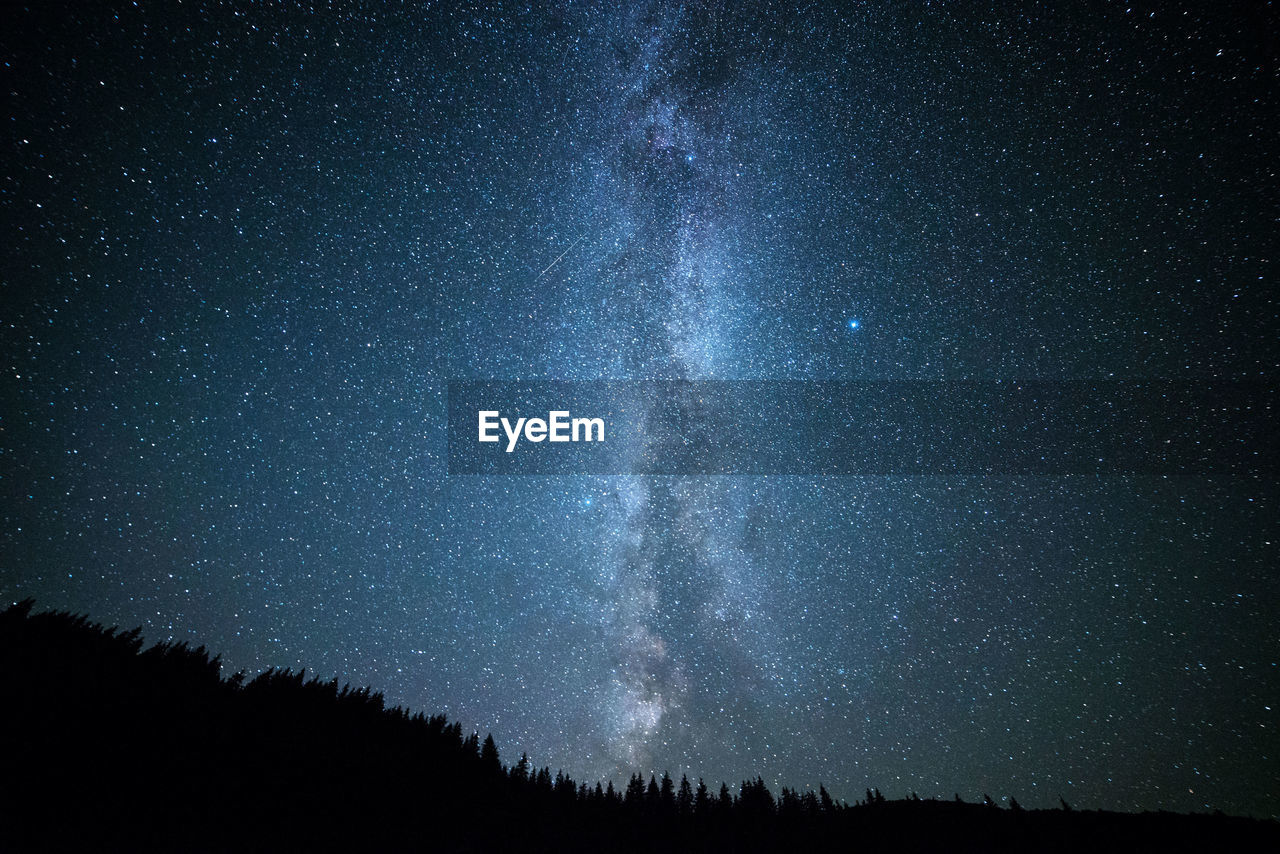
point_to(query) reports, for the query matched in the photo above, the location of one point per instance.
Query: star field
(247, 246)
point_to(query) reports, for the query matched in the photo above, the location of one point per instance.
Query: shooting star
(561, 255)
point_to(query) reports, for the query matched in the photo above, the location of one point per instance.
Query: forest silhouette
(110, 746)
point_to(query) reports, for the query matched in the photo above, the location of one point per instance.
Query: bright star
(854, 323)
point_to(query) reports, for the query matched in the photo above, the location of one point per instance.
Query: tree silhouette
(789, 805)
(755, 799)
(520, 771)
(827, 805)
(635, 791)
(94, 720)
(684, 798)
(667, 793)
(702, 799)
(489, 759)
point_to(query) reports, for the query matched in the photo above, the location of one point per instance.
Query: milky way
(247, 248)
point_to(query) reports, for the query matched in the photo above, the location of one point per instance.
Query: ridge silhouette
(110, 746)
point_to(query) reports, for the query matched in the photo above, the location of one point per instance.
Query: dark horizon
(88, 705)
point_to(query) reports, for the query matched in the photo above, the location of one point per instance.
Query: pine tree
(520, 773)
(489, 758)
(725, 802)
(824, 798)
(667, 794)
(635, 791)
(755, 798)
(788, 803)
(684, 799)
(702, 799)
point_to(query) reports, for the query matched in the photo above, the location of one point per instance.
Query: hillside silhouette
(110, 746)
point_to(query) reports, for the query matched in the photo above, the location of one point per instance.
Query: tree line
(109, 745)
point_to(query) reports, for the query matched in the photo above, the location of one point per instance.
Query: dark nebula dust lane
(247, 248)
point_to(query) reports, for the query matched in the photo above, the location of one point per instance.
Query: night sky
(246, 247)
